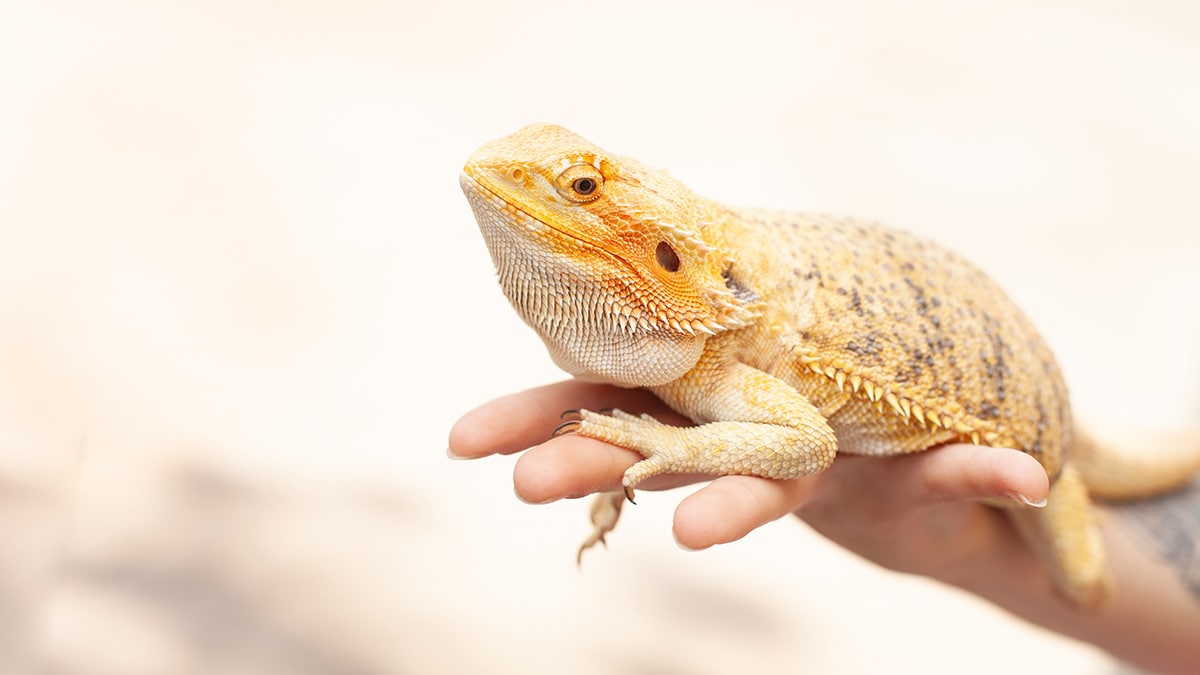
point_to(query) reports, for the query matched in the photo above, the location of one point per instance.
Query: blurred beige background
(242, 301)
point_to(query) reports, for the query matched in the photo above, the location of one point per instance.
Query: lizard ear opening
(666, 257)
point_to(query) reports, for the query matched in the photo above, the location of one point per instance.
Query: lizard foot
(571, 419)
(664, 447)
(604, 512)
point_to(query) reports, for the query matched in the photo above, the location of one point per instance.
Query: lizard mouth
(483, 195)
(474, 187)
(478, 189)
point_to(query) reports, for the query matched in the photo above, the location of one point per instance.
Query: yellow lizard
(786, 337)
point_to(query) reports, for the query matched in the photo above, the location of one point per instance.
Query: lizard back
(900, 342)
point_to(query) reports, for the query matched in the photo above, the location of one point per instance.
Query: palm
(916, 513)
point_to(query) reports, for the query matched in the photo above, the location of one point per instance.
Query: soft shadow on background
(242, 301)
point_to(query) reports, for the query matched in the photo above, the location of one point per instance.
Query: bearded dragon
(786, 337)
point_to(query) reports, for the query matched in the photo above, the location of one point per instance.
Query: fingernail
(1018, 497)
(451, 455)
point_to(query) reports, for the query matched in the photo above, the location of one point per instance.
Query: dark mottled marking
(868, 346)
(1171, 525)
(1036, 448)
(856, 302)
(740, 290)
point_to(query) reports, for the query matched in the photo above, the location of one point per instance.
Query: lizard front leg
(790, 448)
(750, 423)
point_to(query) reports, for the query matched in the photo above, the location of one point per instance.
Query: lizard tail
(1154, 464)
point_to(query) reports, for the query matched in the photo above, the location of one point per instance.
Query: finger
(515, 422)
(731, 506)
(972, 472)
(956, 472)
(573, 466)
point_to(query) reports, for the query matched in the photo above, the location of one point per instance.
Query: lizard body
(786, 337)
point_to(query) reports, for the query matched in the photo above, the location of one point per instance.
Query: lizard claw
(629, 494)
(568, 427)
(574, 413)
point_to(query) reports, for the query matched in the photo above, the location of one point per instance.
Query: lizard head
(612, 263)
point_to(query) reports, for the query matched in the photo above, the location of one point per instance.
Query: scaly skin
(786, 337)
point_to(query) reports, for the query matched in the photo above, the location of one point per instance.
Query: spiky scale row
(909, 411)
(631, 319)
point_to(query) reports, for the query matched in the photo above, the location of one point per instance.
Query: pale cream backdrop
(242, 301)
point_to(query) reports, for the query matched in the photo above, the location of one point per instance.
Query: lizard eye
(581, 183)
(583, 186)
(666, 257)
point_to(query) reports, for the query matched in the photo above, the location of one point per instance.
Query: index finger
(518, 421)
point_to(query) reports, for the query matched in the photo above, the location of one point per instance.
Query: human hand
(917, 513)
